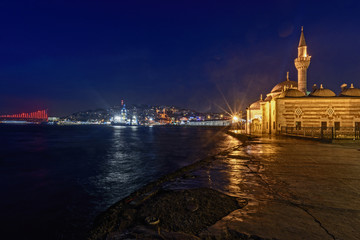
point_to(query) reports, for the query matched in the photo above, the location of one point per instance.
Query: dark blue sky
(83, 55)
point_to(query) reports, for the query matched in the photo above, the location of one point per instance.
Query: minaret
(302, 62)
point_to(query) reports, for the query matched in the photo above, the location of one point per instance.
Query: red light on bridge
(40, 115)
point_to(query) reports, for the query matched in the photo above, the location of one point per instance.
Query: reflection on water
(56, 179)
(289, 183)
(122, 170)
(236, 174)
(270, 147)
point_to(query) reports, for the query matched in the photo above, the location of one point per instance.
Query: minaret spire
(302, 63)
(302, 38)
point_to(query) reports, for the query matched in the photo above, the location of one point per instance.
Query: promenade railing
(322, 132)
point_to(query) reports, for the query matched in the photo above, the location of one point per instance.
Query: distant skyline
(69, 56)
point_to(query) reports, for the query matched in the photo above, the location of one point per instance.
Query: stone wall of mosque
(317, 112)
(270, 114)
(265, 108)
(254, 120)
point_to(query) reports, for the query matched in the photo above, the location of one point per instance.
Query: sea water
(54, 180)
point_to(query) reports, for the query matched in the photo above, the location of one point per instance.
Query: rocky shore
(158, 211)
(267, 188)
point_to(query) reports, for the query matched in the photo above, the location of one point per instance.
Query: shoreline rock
(154, 213)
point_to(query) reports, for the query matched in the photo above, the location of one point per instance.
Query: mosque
(291, 105)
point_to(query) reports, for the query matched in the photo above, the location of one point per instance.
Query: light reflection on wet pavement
(296, 189)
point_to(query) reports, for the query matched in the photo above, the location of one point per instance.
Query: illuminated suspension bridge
(37, 117)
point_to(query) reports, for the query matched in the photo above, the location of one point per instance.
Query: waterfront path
(295, 189)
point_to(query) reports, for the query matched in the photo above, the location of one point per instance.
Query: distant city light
(235, 119)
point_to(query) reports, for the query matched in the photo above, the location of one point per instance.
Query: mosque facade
(290, 105)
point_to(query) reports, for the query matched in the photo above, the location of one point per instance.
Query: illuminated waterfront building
(291, 105)
(123, 114)
(122, 118)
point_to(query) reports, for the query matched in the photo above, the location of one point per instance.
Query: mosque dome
(350, 92)
(255, 105)
(322, 92)
(292, 92)
(285, 84)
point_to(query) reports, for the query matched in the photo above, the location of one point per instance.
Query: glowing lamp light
(235, 118)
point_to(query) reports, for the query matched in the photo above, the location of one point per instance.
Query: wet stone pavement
(295, 189)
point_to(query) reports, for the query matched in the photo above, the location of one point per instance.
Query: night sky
(81, 55)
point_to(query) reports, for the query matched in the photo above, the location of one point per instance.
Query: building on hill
(290, 105)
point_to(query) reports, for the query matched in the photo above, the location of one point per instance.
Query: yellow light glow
(235, 118)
